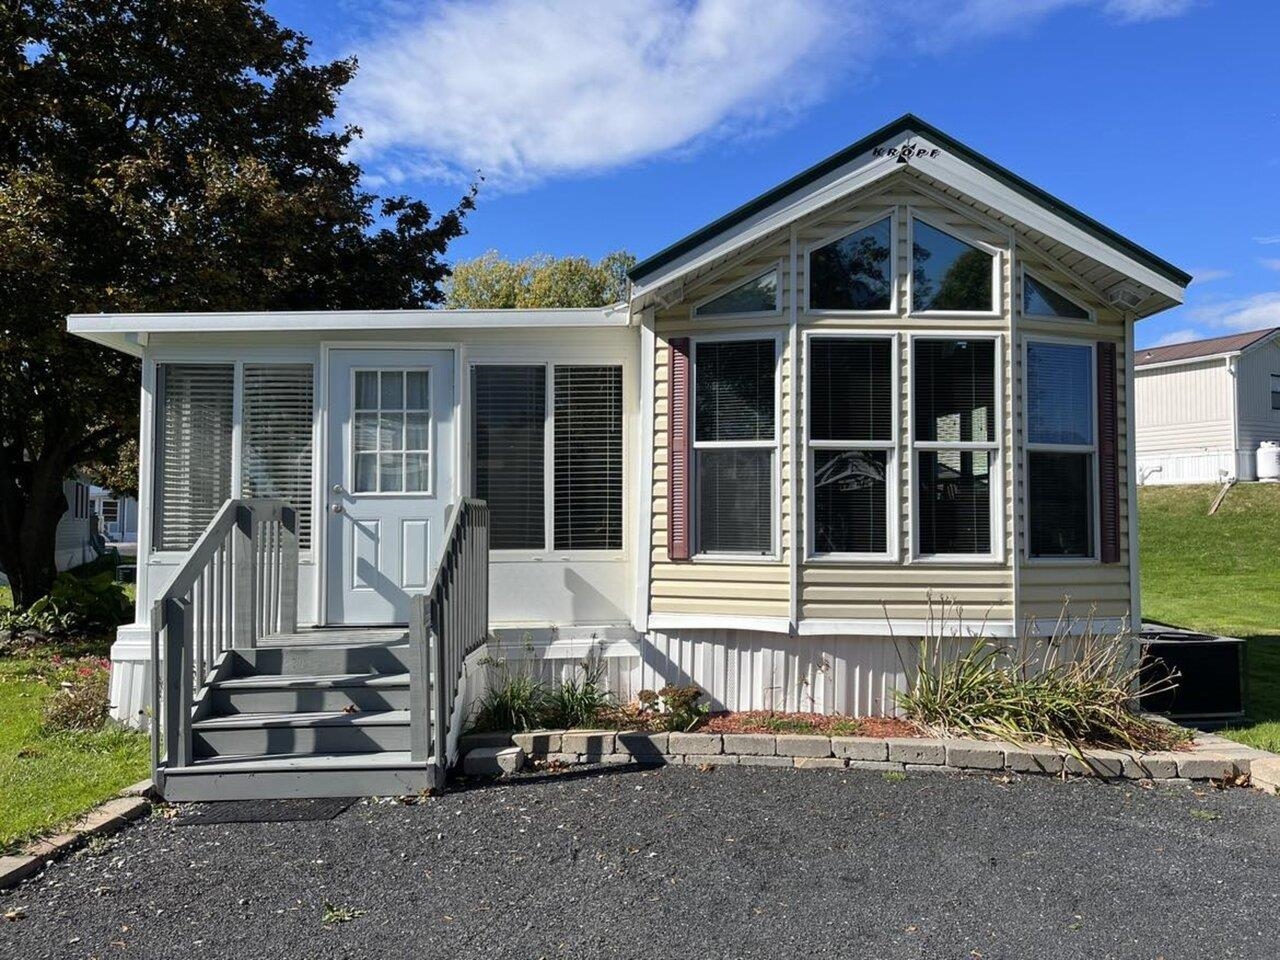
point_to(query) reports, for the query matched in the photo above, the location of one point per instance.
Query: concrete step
(380, 774)
(275, 693)
(309, 659)
(267, 734)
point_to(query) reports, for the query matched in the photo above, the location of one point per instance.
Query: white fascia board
(1185, 361)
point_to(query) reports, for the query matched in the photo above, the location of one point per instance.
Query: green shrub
(1081, 690)
(81, 701)
(513, 701)
(98, 602)
(579, 701)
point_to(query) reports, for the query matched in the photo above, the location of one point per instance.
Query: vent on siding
(277, 449)
(193, 469)
(588, 460)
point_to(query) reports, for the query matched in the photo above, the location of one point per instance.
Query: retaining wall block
(751, 744)
(639, 743)
(538, 743)
(860, 748)
(975, 755)
(803, 745)
(700, 743)
(1033, 760)
(820, 763)
(915, 750)
(592, 743)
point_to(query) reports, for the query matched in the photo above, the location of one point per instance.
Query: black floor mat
(262, 811)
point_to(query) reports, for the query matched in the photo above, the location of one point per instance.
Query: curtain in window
(193, 465)
(509, 412)
(276, 459)
(588, 458)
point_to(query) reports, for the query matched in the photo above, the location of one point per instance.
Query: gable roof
(907, 123)
(1200, 349)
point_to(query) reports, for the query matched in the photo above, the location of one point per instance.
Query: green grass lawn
(1219, 574)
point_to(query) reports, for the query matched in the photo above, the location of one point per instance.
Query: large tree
(493, 282)
(165, 155)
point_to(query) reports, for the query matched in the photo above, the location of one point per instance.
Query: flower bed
(824, 724)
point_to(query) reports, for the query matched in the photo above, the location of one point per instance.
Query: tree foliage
(492, 282)
(166, 155)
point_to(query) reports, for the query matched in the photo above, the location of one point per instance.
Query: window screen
(954, 509)
(193, 466)
(588, 458)
(276, 460)
(509, 409)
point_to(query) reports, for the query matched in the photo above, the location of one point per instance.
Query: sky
(607, 124)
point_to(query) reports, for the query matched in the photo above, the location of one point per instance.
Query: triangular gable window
(757, 295)
(1041, 300)
(853, 272)
(949, 274)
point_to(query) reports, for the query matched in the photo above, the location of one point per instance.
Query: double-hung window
(955, 446)
(1275, 391)
(1061, 449)
(528, 417)
(852, 445)
(735, 445)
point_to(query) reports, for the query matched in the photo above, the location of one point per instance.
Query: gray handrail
(446, 625)
(238, 583)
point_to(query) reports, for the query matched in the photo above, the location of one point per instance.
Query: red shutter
(1108, 454)
(678, 450)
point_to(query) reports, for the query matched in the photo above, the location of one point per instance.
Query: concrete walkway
(724, 862)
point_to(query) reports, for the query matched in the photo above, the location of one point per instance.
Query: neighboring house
(74, 544)
(117, 516)
(1204, 407)
(902, 375)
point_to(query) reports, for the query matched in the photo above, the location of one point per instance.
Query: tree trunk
(29, 528)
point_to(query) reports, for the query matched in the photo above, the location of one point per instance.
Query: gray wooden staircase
(310, 713)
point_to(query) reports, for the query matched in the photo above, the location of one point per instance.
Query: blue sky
(629, 128)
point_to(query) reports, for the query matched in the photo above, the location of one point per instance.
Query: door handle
(337, 488)
(335, 507)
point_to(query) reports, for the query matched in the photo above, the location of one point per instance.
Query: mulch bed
(820, 724)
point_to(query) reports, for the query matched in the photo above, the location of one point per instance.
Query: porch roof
(128, 332)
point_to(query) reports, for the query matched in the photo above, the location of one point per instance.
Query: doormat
(262, 811)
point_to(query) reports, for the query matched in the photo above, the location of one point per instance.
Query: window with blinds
(735, 385)
(1060, 449)
(509, 414)
(953, 403)
(852, 443)
(588, 458)
(193, 463)
(277, 453)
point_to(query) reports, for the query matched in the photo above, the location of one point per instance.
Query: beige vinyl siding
(750, 588)
(1185, 408)
(1081, 587)
(832, 590)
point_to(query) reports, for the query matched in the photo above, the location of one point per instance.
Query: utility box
(1210, 674)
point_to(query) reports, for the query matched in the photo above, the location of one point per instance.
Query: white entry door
(388, 481)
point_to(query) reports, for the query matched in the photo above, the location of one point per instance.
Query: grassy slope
(1220, 574)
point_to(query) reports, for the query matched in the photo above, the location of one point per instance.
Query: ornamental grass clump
(1080, 686)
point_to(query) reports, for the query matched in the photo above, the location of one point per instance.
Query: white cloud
(1245, 313)
(1209, 274)
(1178, 336)
(521, 90)
(1275, 238)
(1271, 263)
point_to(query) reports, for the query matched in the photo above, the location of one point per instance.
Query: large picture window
(955, 445)
(735, 443)
(1060, 449)
(852, 445)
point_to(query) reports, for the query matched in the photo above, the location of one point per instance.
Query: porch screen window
(851, 442)
(276, 459)
(193, 462)
(854, 272)
(955, 443)
(1060, 449)
(588, 458)
(734, 445)
(757, 295)
(509, 418)
(949, 274)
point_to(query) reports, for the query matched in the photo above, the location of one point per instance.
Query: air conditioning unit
(1210, 681)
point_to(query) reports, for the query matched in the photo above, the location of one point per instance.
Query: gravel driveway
(730, 862)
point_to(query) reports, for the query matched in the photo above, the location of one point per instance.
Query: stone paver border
(103, 820)
(1210, 757)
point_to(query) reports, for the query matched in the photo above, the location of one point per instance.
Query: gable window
(579, 505)
(1060, 449)
(852, 446)
(734, 443)
(1041, 300)
(955, 445)
(757, 295)
(949, 274)
(854, 272)
(1275, 391)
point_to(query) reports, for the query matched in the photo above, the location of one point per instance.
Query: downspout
(1233, 373)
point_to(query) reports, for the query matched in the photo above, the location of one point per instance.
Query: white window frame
(997, 268)
(1274, 384)
(775, 269)
(894, 266)
(893, 469)
(1039, 278)
(431, 433)
(549, 551)
(996, 448)
(1095, 518)
(775, 498)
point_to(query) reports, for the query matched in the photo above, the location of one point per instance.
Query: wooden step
(330, 731)
(310, 659)
(383, 773)
(283, 693)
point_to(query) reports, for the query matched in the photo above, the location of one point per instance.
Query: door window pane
(735, 501)
(849, 501)
(509, 405)
(385, 429)
(947, 273)
(854, 272)
(953, 501)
